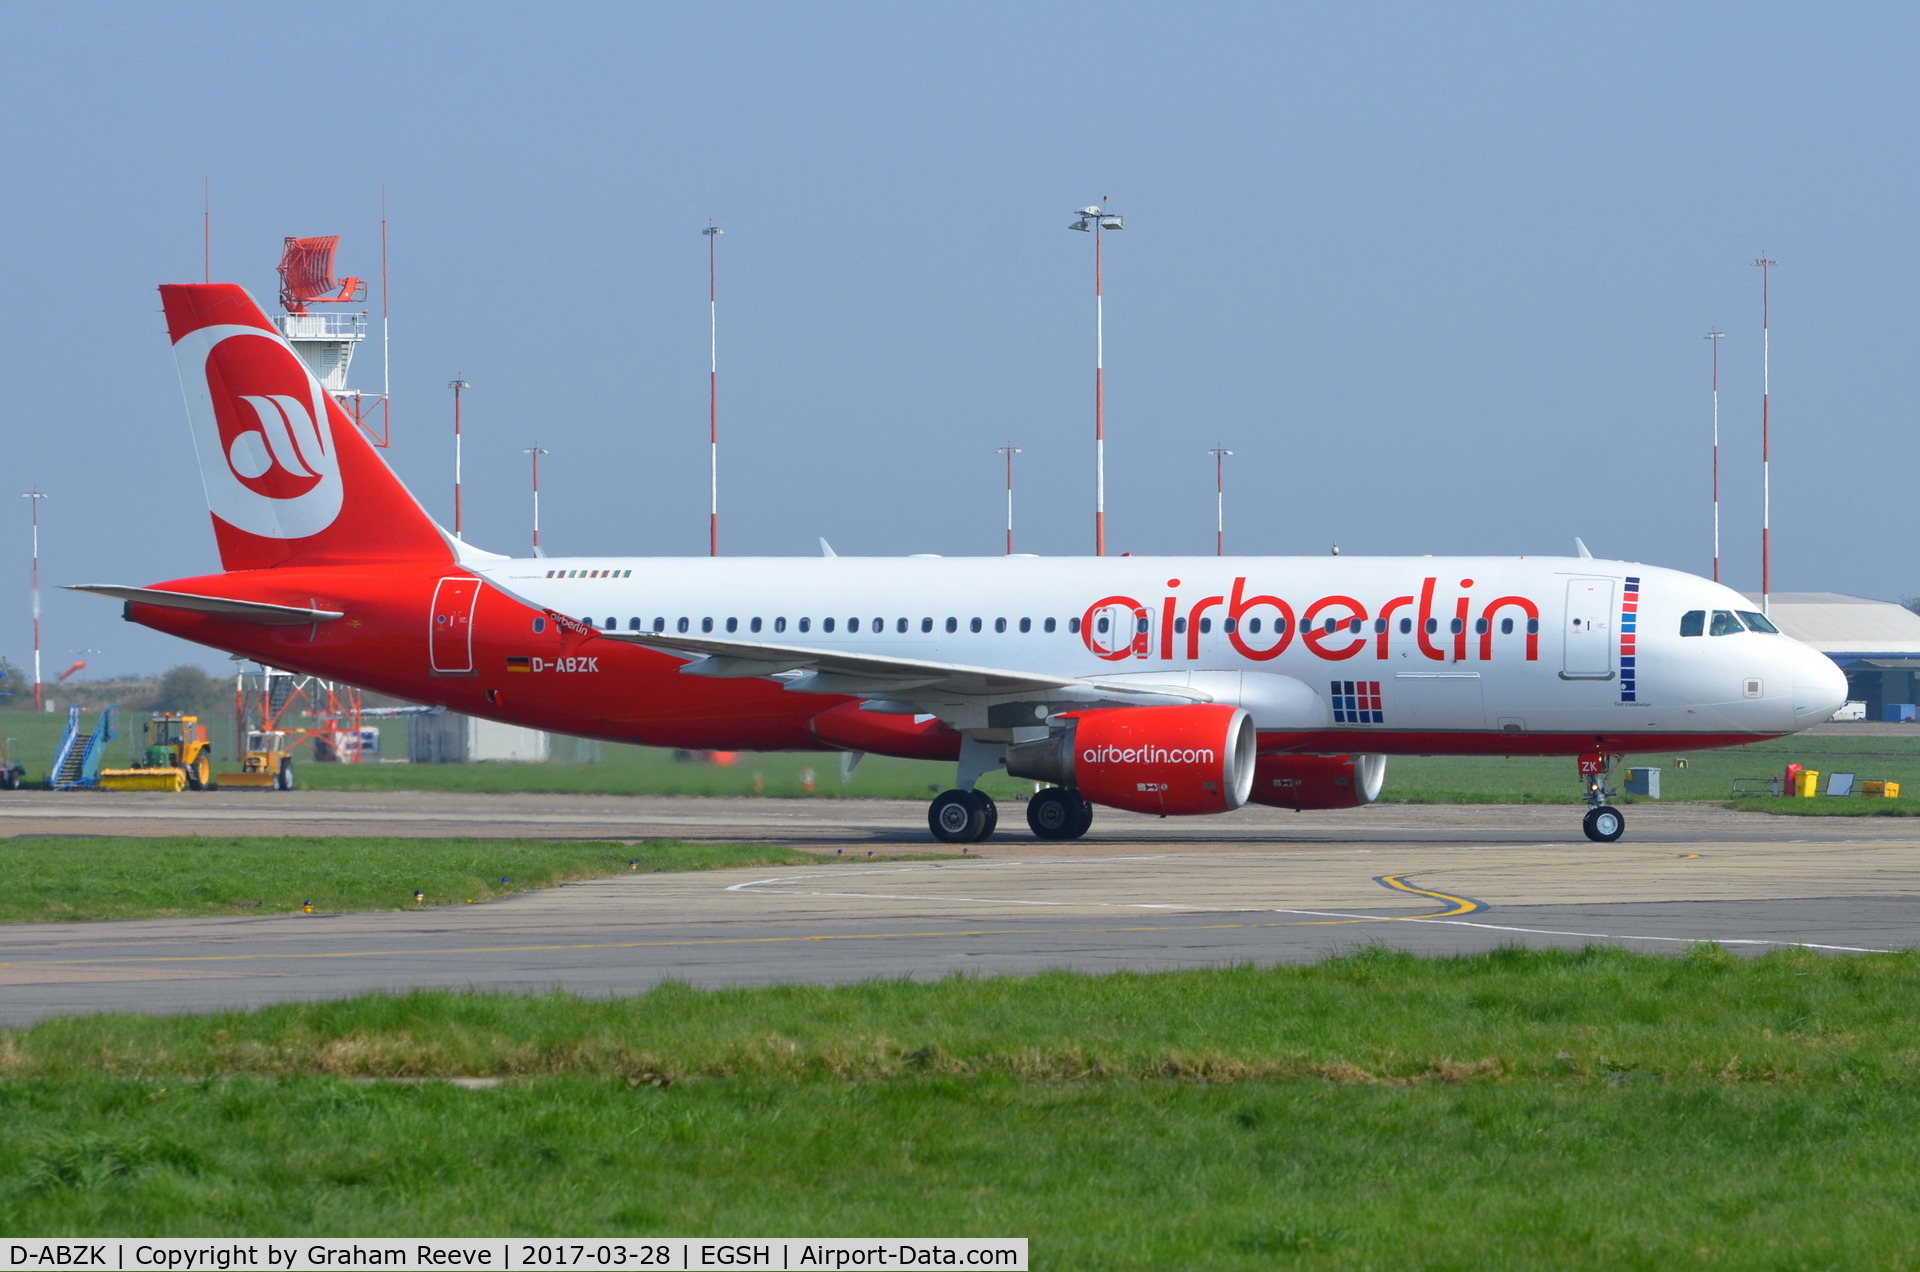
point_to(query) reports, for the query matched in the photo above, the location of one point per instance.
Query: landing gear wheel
(991, 812)
(1054, 813)
(956, 817)
(283, 780)
(1604, 824)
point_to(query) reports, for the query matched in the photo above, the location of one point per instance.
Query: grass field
(1516, 1110)
(53, 879)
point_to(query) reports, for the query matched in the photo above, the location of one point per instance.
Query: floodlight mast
(33, 498)
(713, 233)
(1009, 450)
(1219, 454)
(1766, 439)
(1715, 336)
(1095, 220)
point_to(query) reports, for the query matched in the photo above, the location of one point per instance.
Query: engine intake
(1318, 781)
(1170, 760)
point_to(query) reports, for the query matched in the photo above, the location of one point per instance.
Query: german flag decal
(519, 664)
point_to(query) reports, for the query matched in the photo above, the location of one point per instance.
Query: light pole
(1219, 454)
(713, 233)
(457, 385)
(1009, 450)
(1095, 220)
(33, 498)
(1715, 336)
(1766, 441)
(536, 452)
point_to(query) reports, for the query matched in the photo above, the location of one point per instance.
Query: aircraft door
(1119, 631)
(1588, 630)
(450, 640)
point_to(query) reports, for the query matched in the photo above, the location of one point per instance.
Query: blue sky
(1438, 275)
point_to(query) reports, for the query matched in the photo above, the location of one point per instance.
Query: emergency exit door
(450, 643)
(1589, 630)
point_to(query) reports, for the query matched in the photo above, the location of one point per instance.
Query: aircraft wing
(226, 607)
(880, 676)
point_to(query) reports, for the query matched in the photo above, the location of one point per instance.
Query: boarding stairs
(76, 763)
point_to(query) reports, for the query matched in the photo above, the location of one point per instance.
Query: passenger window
(1253, 625)
(1506, 627)
(754, 626)
(706, 624)
(1757, 622)
(1048, 625)
(1331, 624)
(926, 624)
(1480, 626)
(1406, 625)
(853, 624)
(826, 624)
(999, 624)
(974, 625)
(1533, 627)
(659, 624)
(806, 624)
(633, 624)
(682, 625)
(613, 624)
(1433, 625)
(1180, 626)
(1353, 625)
(1724, 624)
(1693, 623)
(780, 624)
(1229, 626)
(1100, 625)
(733, 624)
(539, 625)
(1026, 625)
(953, 624)
(1073, 626)
(901, 627)
(1455, 626)
(1206, 625)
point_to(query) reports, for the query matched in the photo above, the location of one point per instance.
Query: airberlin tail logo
(260, 429)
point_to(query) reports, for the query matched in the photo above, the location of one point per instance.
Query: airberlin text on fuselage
(1335, 628)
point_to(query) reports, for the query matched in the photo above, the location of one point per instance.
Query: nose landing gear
(1603, 823)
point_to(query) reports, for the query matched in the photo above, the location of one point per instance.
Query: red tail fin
(288, 476)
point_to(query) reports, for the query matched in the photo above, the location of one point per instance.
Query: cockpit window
(1724, 624)
(1758, 622)
(1693, 623)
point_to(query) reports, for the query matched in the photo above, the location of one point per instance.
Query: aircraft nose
(1819, 688)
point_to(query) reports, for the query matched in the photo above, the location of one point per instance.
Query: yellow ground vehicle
(178, 756)
(266, 765)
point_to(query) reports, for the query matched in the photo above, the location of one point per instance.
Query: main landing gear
(1603, 823)
(962, 817)
(967, 817)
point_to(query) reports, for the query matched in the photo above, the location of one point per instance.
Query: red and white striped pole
(536, 452)
(1766, 438)
(1097, 219)
(1009, 450)
(713, 233)
(33, 498)
(1219, 454)
(456, 385)
(1715, 336)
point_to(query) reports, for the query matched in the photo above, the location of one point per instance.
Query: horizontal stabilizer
(226, 607)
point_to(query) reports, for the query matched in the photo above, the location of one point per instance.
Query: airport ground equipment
(266, 764)
(13, 774)
(177, 757)
(76, 762)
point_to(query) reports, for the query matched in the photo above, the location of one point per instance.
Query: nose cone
(1819, 688)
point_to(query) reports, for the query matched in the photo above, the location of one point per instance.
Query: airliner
(1159, 685)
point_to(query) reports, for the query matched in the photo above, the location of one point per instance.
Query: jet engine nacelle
(1171, 760)
(1318, 781)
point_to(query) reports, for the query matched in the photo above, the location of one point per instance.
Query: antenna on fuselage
(1580, 549)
